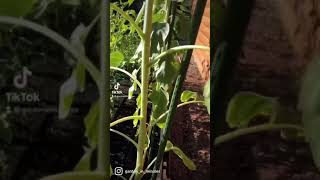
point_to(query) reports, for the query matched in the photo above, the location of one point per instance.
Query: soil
(269, 66)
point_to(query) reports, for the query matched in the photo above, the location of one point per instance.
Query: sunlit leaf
(116, 58)
(137, 112)
(160, 16)
(188, 96)
(245, 106)
(130, 2)
(185, 159)
(206, 95)
(136, 120)
(133, 88)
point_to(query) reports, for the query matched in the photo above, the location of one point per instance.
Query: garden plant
(156, 75)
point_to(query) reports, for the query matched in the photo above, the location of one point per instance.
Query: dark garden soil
(270, 67)
(264, 157)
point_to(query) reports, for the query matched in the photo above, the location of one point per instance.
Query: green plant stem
(150, 164)
(180, 105)
(94, 72)
(196, 21)
(125, 136)
(119, 121)
(144, 92)
(178, 49)
(128, 74)
(255, 129)
(103, 163)
(124, 120)
(131, 21)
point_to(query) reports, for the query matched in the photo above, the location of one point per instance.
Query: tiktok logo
(20, 81)
(116, 87)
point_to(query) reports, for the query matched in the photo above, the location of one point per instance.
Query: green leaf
(116, 58)
(80, 75)
(168, 71)
(77, 80)
(130, 2)
(159, 35)
(16, 8)
(188, 96)
(85, 162)
(133, 88)
(159, 17)
(309, 103)
(245, 106)
(91, 124)
(77, 176)
(66, 96)
(160, 101)
(182, 23)
(136, 120)
(206, 95)
(186, 161)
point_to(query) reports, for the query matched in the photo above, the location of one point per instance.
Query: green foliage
(206, 95)
(116, 58)
(188, 96)
(76, 83)
(186, 161)
(91, 124)
(16, 8)
(160, 101)
(245, 106)
(123, 38)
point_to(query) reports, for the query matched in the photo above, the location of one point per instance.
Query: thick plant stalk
(179, 83)
(104, 88)
(147, 30)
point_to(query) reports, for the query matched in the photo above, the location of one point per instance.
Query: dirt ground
(269, 66)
